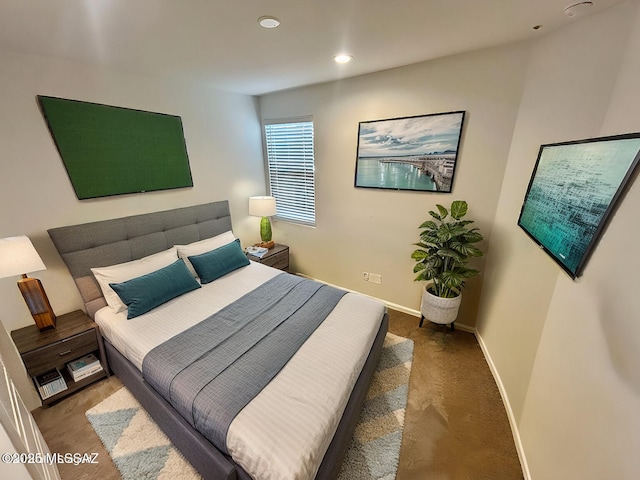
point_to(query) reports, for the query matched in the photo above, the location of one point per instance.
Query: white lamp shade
(18, 256)
(262, 206)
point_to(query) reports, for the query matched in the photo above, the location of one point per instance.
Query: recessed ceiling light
(268, 22)
(342, 58)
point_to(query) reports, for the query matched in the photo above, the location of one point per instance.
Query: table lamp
(18, 255)
(263, 207)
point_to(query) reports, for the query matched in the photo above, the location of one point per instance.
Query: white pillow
(126, 271)
(203, 246)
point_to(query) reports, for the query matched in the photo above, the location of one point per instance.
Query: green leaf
(452, 280)
(459, 209)
(419, 255)
(447, 231)
(474, 251)
(447, 252)
(435, 261)
(473, 237)
(429, 224)
(443, 211)
(460, 247)
(420, 277)
(469, 272)
(427, 273)
(443, 236)
(465, 249)
(429, 236)
(463, 223)
(435, 215)
(454, 229)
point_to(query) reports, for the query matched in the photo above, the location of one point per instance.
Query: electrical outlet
(375, 278)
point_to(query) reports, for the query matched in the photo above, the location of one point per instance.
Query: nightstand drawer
(58, 353)
(279, 260)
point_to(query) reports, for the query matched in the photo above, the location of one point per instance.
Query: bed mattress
(284, 432)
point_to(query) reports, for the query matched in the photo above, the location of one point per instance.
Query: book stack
(256, 251)
(50, 383)
(83, 367)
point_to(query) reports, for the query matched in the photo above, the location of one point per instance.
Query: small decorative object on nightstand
(277, 257)
(75, 336)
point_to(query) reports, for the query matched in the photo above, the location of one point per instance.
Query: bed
(262, 441)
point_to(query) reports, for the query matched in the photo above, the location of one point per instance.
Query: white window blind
(291, 170)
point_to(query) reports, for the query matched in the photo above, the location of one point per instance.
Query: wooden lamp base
(38, 303)
(268, 245)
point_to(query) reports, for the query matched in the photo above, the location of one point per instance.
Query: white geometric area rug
(140, 450)
(135, 443)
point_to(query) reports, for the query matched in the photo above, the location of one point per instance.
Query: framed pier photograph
(410, 153)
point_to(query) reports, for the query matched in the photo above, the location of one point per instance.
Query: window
(291, 168)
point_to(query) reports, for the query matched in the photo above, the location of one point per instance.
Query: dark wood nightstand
(75, 335)
(276, 257)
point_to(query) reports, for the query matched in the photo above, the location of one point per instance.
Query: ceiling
(219, 42)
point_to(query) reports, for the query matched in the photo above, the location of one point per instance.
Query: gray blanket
(212, 371)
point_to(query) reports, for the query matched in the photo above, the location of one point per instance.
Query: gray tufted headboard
(119, 240)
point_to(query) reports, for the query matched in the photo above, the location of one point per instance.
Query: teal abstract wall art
(573, 190)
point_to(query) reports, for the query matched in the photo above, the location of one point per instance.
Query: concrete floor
(456, 427)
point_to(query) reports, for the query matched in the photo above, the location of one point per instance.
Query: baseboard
(507, 405)
(391, 305)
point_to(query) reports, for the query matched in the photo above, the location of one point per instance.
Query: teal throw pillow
(142, 294)
(219, 262)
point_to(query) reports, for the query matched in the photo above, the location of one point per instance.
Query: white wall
(371, 230)
(566, 352)
(222, 133)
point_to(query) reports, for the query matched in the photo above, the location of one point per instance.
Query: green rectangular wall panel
(110, 150)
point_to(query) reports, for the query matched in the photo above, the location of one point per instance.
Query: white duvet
(285, 431)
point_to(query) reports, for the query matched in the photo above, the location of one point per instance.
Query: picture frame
(573, 191)
(417, 153)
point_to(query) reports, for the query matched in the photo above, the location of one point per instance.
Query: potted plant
(446, 244)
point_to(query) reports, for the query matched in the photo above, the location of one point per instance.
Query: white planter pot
(437, 309)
